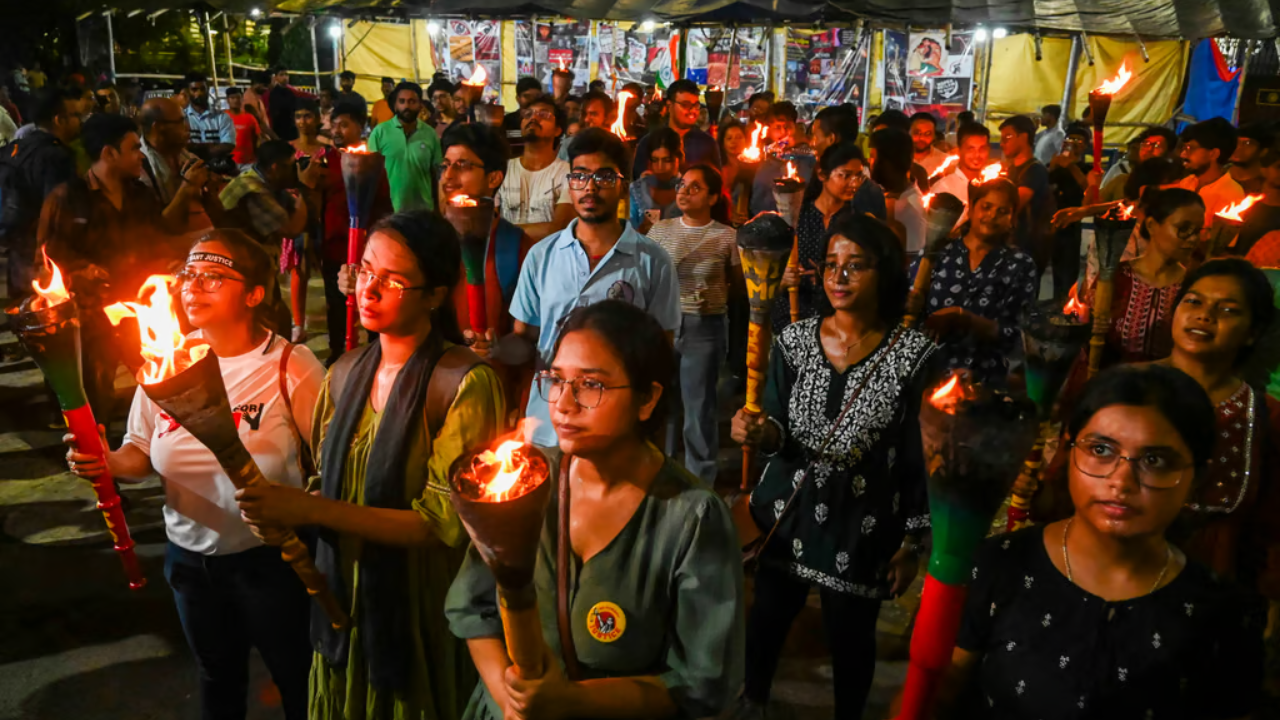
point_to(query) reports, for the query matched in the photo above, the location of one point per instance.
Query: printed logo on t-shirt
(251, 413)
(166, 423)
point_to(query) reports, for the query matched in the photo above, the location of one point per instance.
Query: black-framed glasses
(1155, 470)
(602, 178)
(461, 166)
(690, 188)
(686, 104)
(204, 281)
(587, 393)
(368, 277)
(539, 114)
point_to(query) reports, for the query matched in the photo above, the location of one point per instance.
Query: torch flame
(1126, 211)
(1074, 308)
(1232, 212)
(1113, 86)
(989, 173)
(791, 172)
(461, 200)
(752, 153)
(55, 293)
(948, 395)
(478, 77)
(560, 60)
(502, 483)
(927, 199)
(619, 127)
(164, 348)
(361, 149)
(945, 166)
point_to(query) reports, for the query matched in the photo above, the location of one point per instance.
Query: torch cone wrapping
(52, 337)
(473, 223)
(1111, 236)
(362, 172)
(788, 195)
(941, 216)
(971, 455)
(197, 399)
(1051, 343)
(715, 101)
(506, 534)
(1222, 234)
(764, 243)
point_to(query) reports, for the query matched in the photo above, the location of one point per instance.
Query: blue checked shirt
(210, 127)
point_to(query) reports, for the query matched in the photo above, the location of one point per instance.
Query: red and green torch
(974, 439)
(48, 325)
(1099, 106)
(473, 219)
(362, 172)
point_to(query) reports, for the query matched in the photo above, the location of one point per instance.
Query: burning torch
(788, 194)
(48, 325)
(715, 101)
(942, 211)
(474, 89)
(473, 219)
(501, 496)
(1052, 340)
(1111, 233)
(1099, 105)
(946, 165)
(184, 379)
(1226, 225)
(973, 440)
(361, 174)
(763, 243)
(750, 158)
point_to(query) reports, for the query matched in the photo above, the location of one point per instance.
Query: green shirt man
(411, 151)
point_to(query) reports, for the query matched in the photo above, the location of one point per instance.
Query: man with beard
(595, 258)
(924, 131)
(261, 200)
(347, 94)
(528, 89)
(1205, 148)
(974, 143)
(597, 111)
(212, 131)
(382, 111)
(535, 194)
(411, 150)
(1031, 231)
(1246, 162)
(441, 93)
(683, 97)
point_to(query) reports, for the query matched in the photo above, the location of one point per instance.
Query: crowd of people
(616, 304)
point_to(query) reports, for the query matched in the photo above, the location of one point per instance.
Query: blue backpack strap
(507, 257)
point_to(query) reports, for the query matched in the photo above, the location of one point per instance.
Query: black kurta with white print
(868, 488)
(1192, 649)
(1003, 285)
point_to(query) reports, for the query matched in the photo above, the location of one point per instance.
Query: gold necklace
(1066, 559)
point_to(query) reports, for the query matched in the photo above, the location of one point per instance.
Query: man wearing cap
(528, 89)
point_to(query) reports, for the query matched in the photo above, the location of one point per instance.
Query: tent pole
(231, 66)
(315, 59)
(1073, 65)
(413, 49)
(1244, 75)
(986, 75)
(111, 46)
(213, 63)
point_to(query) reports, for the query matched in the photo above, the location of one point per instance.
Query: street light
(255, 13)
(980, 35)
(335, 30)
(999, 33)
(647, 26)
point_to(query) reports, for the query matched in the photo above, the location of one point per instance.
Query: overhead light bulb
(335, 30)
(433, 27)
(647, 26)
(255, 13)
(980, 35)
(999, 33)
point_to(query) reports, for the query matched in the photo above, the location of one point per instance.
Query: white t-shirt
(200, 511)
(700, 255)
(908, 209)
(531, 197)
(954, 183)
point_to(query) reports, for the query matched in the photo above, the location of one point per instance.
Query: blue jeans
(701, 345)
(226, 604)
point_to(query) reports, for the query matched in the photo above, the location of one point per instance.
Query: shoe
(744, 709)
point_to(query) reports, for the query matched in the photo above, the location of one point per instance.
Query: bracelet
(782, 437)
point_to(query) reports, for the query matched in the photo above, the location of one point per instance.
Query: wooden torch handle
(919, 288)
(1101, 324)
(758, 337)
(794, 292)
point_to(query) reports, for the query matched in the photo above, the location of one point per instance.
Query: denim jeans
(228, 603)
(701, 346)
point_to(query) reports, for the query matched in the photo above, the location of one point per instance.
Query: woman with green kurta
(391, 419)
(654, 591)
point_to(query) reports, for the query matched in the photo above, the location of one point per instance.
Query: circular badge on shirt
(606, 622)
(622, 290)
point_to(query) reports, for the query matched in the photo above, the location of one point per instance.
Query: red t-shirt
(246, 138)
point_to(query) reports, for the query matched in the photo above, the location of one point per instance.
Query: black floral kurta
(1192, 649)
(868, 489)
(1003, 285)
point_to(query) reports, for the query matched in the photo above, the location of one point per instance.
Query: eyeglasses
(205, 281)
(1154, 470)
(603, 178)
(367, 277)
(690, 188)
(845, 176)
(587, 393)
(686, 105)
(1153, 144)
(539, 114)
(853, 267)
(460, 165)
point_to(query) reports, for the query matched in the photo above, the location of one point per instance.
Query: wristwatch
(916, 548)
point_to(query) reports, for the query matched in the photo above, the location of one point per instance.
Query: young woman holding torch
(391, 419)
(230, 589)
(846, 495)
(1099, 614)
(654, 594)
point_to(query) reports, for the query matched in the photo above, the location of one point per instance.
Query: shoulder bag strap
(567, 648)
(305, 461)
(442, 387)
(831, 434)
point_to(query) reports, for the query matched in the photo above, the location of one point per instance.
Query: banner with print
(562, 45)
(924, 71)
(825, 67)
(458, 46)
(625, 56)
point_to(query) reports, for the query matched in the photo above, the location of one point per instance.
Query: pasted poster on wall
(826, 67)
(562, 45)
(923, 71)
(633, 56)
(459, 45)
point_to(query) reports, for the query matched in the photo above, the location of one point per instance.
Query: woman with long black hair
(392, 418)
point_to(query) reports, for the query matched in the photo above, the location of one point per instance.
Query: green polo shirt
(411, 163)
